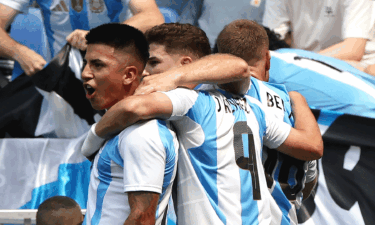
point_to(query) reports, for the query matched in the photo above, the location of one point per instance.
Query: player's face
(103, 76)
(160, 61)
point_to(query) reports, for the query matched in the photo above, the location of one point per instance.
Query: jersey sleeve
(182, 101)
(276, 132)
(144, 157)
(357, 19)
(19, 5)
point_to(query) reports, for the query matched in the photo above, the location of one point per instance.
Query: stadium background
(34, 169)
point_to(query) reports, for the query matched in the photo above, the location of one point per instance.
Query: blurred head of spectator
(249, 41)
(59, 210)
(116, 57)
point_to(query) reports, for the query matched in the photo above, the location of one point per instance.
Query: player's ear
(184, 60)
(268, 60)
(129, 75)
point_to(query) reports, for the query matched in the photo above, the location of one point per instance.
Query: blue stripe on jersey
(292, 174)
(204, 157)
(79, 20)
(245, 144)
(254, 89)
(114, 9)
(46, 12)
(282, 202)
(250, 211)
(104, 170)
(170, 159)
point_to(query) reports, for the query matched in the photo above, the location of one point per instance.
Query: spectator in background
(212, 15)
(59, 210)
(70, 22)
(338, 28)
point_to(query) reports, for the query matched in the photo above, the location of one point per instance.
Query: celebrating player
(132, 174)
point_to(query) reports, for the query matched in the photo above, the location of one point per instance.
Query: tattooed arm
(142, 207)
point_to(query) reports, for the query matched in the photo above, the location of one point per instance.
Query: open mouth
(89, 90)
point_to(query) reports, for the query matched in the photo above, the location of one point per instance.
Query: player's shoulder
(145, 130)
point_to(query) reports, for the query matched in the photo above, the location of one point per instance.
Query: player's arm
(131, 110)
(142, 207)
(304, 141)
(146, 14)
(351, 49)
(30, 61)
(356, 26)
(211, 69)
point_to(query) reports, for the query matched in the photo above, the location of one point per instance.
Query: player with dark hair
(182, 38)
(132, 174)
(220, 177)
(59, 210)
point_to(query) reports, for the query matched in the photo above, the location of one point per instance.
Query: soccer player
(220, 177)
(132, 174)
(59, 210)
(286, 175)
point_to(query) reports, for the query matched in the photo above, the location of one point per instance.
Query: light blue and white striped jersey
(220, 175)
(276, 99)
(61, 17)
(143, 157)
(285, 174)
(325, 82)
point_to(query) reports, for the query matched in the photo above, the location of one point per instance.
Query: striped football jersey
(143, 157)
(220, 174)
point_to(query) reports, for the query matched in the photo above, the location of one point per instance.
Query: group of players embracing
(236, 150)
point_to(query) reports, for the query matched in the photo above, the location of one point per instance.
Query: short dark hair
(44, 217)
(243, 38)
(179, 38)
(121, 36)
(274, 40)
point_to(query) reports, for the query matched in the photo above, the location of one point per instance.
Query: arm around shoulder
(131, 110)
